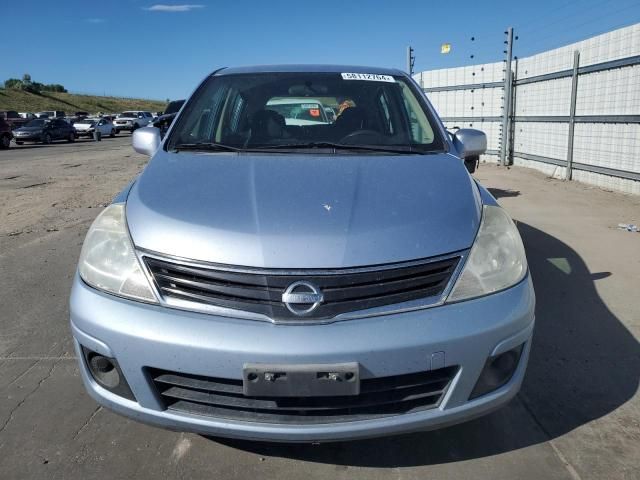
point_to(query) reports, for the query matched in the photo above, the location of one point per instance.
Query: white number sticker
(370, 77)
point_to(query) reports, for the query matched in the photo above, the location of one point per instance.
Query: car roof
(308, 69)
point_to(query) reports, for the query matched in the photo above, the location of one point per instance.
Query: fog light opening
(497, 371)
(101, 364)
(106, 373)
(103, 370)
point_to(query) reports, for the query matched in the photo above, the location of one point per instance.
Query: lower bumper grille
(379, 397)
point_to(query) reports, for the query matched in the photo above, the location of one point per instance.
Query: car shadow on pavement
(61, 142)
(584, 364)
(500, 193)
(39, 145)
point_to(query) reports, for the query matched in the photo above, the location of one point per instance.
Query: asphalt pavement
(577, 416)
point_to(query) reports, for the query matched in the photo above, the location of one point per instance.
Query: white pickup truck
(132, 120)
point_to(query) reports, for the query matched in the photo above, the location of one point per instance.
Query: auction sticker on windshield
(371, 77)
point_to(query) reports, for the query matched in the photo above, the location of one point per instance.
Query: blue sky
(163, 49)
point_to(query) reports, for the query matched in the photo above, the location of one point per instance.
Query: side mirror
(470, 142)
(146, 140)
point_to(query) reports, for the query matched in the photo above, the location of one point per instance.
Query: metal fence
(572, 112)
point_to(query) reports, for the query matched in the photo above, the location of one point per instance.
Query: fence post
(506, 111)
(572, 113)
(513, 97)
(410, 60)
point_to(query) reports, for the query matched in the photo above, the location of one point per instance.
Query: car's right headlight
(108, 261)
(497, 260)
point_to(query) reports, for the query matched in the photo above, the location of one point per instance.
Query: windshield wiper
(206, 147)
(221, 147)
(339, 146)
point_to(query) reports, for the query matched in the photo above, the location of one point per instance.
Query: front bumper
(139, 336)
(37, 137)
(125, 126)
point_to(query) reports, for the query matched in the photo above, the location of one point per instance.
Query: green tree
(14, 83)
(28, 85)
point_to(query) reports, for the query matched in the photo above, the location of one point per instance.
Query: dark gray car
(44, 130)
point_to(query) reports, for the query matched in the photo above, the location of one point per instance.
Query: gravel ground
(577, 417)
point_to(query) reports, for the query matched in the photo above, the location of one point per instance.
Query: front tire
(71, 138)
(113, 133)
(46, 139)
(135, 127)
(5, 142)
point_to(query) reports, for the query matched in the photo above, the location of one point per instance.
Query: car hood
(29, 129)
(303, 211)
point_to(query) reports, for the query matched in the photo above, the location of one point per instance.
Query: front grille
(344, 290)
(379, 397)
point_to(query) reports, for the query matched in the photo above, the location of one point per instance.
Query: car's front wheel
(71, 137)
(135, 127)
(46, 138)
(5, 142)
(113, 133)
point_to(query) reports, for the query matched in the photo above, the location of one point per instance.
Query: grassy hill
(68, 102)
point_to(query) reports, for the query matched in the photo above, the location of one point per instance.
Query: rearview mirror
(470, 142)
(146, 140)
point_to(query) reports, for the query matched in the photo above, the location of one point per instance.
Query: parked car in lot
(13, 118)
(132, 120)
(51, 114)
(45, 130)
(5, 134)
(304, 282)
(89, 126)
(164, 121)
(299, 111)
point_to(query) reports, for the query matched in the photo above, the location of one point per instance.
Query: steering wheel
(359, 136)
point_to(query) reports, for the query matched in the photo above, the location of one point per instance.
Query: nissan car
(267, 279)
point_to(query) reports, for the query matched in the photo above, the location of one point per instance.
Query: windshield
(86, 121)
(37, 123)
(129, 114)
(287, 110)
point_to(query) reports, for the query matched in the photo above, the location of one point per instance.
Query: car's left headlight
(497, 259)
(108, 261)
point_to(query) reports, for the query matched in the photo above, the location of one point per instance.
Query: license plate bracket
(312, 380)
